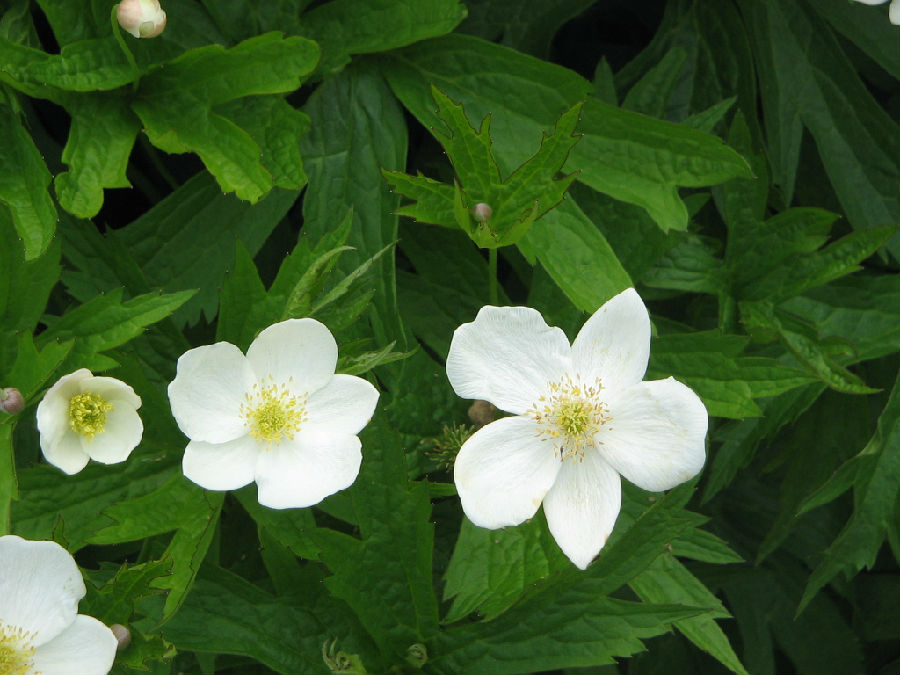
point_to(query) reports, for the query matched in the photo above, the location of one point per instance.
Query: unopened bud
(482, 212)
(123, 636)
(141, 18)
(11, 401)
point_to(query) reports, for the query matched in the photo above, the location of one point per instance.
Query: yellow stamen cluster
(16, 650)
(87, 414)
(569, 415)
(272, 412)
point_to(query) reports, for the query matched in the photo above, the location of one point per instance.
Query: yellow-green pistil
(569, 415)
(272, 412)
(16, 650)
(87, 414)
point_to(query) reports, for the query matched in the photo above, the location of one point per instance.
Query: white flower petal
(86, 647)
(503, 471)
(208, 390)
(40, 587)
(894, 12)
(221, 466)
(614, 344)
(300, 350)
(507, 356)
(112, 390)
(303, 471)
(656, 436)
(67, 452)
(53, 410)
(582, 507)
(120, 436)
(344, 405)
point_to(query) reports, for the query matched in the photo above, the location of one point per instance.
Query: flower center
(87, 414)
(570, 414)
(16, 650)
(272, 412)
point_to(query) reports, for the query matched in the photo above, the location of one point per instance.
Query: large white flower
(84, 417)
(41, 631)
(582, 417)
(278, 416)
(893, 11)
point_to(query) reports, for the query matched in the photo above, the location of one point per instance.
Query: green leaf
(491, 569)
(176, 104)
(100, 139)
(667, 580)
(395, 547)
(514, 203)
(643, 161)
(804, 343)
(875, 489)
(226, 614)
(567, 621)
(866, 29)
(691, 264)
(177, 249)
(811, 81)
(576, 255)
(345, 27)
(106, 322)
(23, 185)
(357, 129)
(9, 486)
(524, 96)
(114, 601)
(290, 527)
(710, 363)
(650, 94)
(861, 309)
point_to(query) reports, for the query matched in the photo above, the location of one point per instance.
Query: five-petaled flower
(85, 416)
(41, 631)
(278, 416)
(582, 416)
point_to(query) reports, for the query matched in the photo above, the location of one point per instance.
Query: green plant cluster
(289, 158)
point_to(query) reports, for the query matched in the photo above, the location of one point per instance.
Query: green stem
(492, 276)
(117, 33)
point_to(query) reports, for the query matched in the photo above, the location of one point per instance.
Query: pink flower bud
(11, 401)
(141, 18)
(123, 635)
(482, 212)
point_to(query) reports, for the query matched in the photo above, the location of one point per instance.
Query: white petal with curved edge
(222, 466)
(507, 356)
(300, 350)
(894, 12)
(656, 436)
(53, 410)
(120, 436)
(86, 647)
(582, 507)
(40, 587)
(503, 471)
(111, 390)
(303, 471)
(614, 344)
(344, 405)
(208, 390)
(66, 453)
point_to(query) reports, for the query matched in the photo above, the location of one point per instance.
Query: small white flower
(41, 631)
(582, 417)
(141, 18)
(84, 417)
(893, 11)
(278, 416)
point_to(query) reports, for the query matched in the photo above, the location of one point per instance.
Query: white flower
(893, 11)
(582, 417)
(84, 416)
(278, 416)
(41, 631)
(141, 18)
